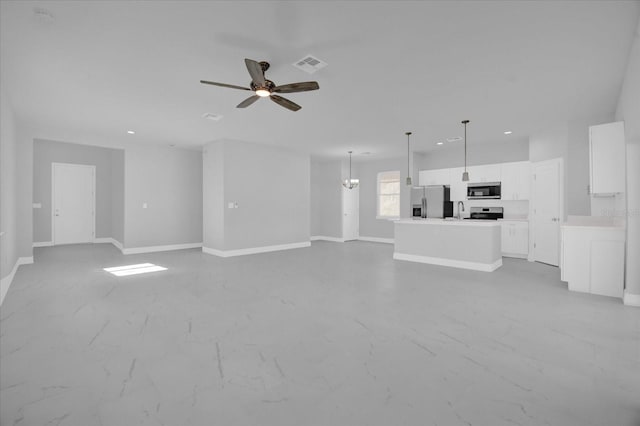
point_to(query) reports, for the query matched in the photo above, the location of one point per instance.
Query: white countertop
(462, 222)
(594, 222)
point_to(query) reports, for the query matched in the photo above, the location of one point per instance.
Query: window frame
(378, 176)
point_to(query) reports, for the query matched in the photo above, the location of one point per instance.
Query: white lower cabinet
(515, 238)
(592, 259)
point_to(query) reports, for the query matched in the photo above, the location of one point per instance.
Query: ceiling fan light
(263, 93)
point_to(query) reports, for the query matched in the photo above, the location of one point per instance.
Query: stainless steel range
(486, 213)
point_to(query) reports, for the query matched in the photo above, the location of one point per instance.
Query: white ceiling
(99, 69)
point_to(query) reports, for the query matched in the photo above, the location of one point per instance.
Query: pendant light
(350, 183)
(408, 172)
(465, 174)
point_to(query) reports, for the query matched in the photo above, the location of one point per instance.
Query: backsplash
(512, 209)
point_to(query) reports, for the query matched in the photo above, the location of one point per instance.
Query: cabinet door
(516, 180)
(507, 238)
(521, 238)
(485, 173)
(433, 177)
(515, 239)
(607, 158)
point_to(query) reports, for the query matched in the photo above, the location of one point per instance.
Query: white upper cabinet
(607, 158)
(484, 173)
(516, 180)
(434, 177)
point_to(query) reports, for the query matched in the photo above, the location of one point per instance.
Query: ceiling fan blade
(248, 101)
(231, 86)
(255, 71)
(297, 87)
(285, 102)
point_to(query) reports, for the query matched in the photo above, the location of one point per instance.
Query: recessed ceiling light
(508, 132)
(366, 153)
(454, 139)
(131, 132)
(439, 143)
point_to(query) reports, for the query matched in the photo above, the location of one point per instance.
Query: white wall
(367, 172)
(8, 188)
(271, 187)
(445, 157)
(213, 196)
(45, 153)
(117, 195)
(326, 198)
(170, 182)
(628, 110)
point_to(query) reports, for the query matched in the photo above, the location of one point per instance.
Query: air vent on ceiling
(454, 139)
(211, 116)
(310, 64)
(42, 15)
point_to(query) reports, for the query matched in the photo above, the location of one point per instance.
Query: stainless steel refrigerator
(431, 202)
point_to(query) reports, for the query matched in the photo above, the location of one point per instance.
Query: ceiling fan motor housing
(268, 85)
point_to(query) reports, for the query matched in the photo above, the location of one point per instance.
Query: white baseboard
(109, 240)
(6, 281)
(324, 238)
(516, 255)
(100, 240)
(152, 249)
(43, 244)
(631, 299)
(463, 264)
(377, 240)
(254, 250)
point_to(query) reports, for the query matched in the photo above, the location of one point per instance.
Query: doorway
(73, 203)
(350, 214)
(546, 211)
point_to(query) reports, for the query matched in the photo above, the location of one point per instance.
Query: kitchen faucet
(459, 204)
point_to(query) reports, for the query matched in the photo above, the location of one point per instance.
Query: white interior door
(547, 211)
(73, 187)
(350, 214)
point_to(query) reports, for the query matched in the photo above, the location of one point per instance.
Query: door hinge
(534, 245)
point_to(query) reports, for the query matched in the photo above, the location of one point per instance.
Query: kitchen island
(467, 244)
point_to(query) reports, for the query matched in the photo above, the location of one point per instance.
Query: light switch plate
(37, 205)
(230, 205)
(145, 205)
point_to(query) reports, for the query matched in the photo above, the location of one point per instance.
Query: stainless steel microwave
(483, 190)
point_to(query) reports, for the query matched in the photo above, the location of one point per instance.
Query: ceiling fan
(266, 88)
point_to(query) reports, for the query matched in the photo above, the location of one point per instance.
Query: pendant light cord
(465, 143)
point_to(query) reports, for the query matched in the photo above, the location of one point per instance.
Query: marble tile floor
(334, 334)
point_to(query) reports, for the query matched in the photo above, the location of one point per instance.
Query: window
(388, 195)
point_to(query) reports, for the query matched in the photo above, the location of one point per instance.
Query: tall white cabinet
(607, 158)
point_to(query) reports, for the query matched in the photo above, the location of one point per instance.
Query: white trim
(630, 299)
(53, 196)
(118, 245)
(377, 240)
(516, 255)
(476, 266)
(6, 281)
(101, 240)
(254, 250)
(152, 249)
(324, 238)
(109, 240)
(43, 244)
